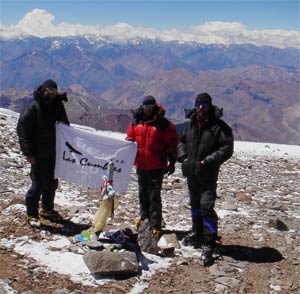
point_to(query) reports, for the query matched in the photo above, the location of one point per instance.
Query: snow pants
(42, 184)
(150, 183)
(203, 195)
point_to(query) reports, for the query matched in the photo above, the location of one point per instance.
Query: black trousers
(150, 183)
(42, 184)
(204, 218)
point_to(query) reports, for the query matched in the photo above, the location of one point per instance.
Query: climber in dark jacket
(36, 132)
(205, 143)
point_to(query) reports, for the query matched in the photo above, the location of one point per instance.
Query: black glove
(192, 167)
(171, 168)
(181, 159)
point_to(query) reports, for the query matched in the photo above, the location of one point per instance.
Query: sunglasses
(49, 90)
(203, 103)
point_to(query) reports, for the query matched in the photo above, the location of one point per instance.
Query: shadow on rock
(238, 252)
(180, 234)
(243, 253)
(66, 228)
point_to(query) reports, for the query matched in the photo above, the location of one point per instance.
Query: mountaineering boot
(34, 222)
(136, 224)
(207, 255)
(192, 239)
(156, 234)
(51, 215)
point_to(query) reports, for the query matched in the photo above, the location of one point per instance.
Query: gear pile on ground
(258, 206)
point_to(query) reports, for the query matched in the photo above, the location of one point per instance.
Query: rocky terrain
(258, 205)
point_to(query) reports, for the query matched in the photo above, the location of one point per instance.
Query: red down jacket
(156, 140)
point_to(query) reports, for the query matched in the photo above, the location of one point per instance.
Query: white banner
(82, 157)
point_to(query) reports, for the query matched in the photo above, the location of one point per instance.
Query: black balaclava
(204, 114)
(49, 84)
(149, 100)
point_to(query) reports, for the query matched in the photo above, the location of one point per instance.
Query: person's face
(50, 94)
(148, 110)
(202, 107)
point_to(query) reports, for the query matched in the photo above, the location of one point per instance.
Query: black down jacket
(36, 127)
(212, 142)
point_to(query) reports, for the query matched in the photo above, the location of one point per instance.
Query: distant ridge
(258, 87)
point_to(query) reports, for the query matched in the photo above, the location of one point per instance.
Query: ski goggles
(203, 104)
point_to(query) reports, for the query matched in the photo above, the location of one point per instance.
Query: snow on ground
(6, 288)
(242, 149)
(269, 150)
(59, 261)
(8, 112)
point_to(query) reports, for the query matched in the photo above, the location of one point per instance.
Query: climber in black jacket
(205, 143)
(36, 132)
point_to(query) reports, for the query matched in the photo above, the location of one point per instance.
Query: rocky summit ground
(258, 206)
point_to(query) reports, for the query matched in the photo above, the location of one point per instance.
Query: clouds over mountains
(40, 23)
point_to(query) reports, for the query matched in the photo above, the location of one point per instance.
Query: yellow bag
(110, 201)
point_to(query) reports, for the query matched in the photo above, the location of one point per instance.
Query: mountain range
(258, 87)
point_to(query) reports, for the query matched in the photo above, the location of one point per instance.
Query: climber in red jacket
(157, 141)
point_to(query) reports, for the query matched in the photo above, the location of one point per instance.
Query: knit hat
(49, 84)
(203, 97)
(149, 100)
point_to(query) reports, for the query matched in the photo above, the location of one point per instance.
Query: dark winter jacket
(156, 139)
(36, 127)
(211, 142)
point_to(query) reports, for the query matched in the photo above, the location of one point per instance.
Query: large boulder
(121, 264)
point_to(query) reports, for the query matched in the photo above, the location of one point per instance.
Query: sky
(254, 14)
(260, 22)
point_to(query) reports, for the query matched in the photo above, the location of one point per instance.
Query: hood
(38, 93)
(159, 112)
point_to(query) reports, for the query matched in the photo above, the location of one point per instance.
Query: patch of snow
(248, 150)
(8, 112)
(14, 208)
(61, 262)
(5, 288)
